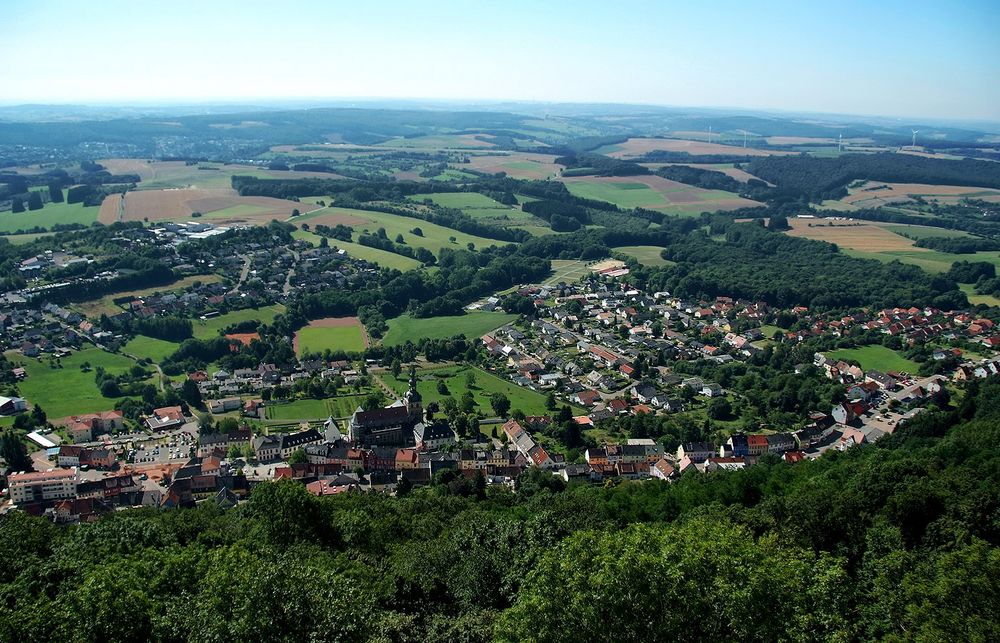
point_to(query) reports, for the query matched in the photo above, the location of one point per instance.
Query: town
(603, 353)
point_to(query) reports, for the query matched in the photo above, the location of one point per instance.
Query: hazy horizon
(894, 60)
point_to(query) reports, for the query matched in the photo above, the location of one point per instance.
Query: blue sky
(930, 59)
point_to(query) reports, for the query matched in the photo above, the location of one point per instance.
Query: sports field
(486, 384)
(333, 333)
(646, 255)
(567, 271)
(209, 328)
(471, 324)
(69, 390)
(434, 238)
(876, 357)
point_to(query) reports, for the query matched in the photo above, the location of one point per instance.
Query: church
(391, 426)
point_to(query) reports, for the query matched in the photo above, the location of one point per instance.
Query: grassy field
(929, 260)
(472, 325)
(383, 258)
(339, 407)
(922, 231)
(69, 390)
(975, 299)
(21, 239)
(149, 347)
(567, 271)
(210, 327)
(486, 384)
(319, 339)
(439, 141)
(475, 205)
(48, 216)
(646, 255)
(106, 305)
(434, 238)
(624, 195)
(876, 357)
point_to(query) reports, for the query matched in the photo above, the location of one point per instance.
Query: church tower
(412, 398)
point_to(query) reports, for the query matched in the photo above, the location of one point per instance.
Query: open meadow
(646, 255)
(209, 328)
(383, 258)
(69, 390)
(434, 238)
(151, 348)
(48, 216)
(332, 333)
(106, 305)
(475, 205)
(472, 324)
(340, 406)
(441, 141)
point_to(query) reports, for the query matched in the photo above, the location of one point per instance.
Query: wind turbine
(914, 143)
(840, 143)
(709, 133)
(744, 138)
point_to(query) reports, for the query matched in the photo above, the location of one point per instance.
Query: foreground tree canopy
(896, 541)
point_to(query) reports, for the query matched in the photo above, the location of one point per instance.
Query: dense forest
(893, 541)
(827, 178)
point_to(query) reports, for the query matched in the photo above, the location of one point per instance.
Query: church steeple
(412, 397)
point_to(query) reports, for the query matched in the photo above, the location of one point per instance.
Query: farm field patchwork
(635, 147)
(69, 390)
(209, 328)
(486, 384)
(646, 255)
(333, 333)
(876, 357)
(216, 206)
(434, 238)
(655, 193)
(471, 324)
(520, 165)
(875, 193)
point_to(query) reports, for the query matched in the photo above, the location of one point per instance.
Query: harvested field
(635, 147)
(725, 168)
(517, 165)
(875, 193)
(848, 233)
(216, 205)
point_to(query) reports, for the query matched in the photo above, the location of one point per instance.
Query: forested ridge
(895, 541)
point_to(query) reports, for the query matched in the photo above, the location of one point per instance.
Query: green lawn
(472, 325)
(210, 327)
(69, 390)
(646, 255)
(154, 349)
(922, 231)
(486, 384)
(383, 258)
(339, 407)
(318, 339)
(876, 357)
(48, 216)
(434, 238)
